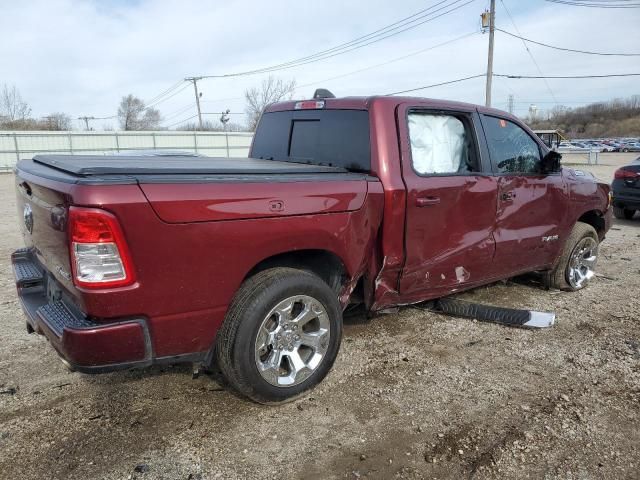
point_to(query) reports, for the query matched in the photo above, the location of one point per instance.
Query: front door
(531, 206)
(451, 202)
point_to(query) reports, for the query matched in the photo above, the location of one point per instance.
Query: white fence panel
(16, 146)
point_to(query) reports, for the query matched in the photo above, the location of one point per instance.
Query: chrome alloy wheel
(582, 262)
(292, 341)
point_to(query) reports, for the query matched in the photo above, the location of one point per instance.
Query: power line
(528, 51)
(353, 45)
(437, 84)
(397, 59)
(415, 16)
(178, 112)
(593, 4)
(168, 90)
(166, 98)
(568, 49)
(518, 77)
(182, 121)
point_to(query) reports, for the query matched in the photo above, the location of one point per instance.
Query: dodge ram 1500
(250, 262)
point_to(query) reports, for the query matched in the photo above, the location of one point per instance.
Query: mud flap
(510, 317)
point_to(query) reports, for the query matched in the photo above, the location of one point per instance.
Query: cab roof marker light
(309, 105)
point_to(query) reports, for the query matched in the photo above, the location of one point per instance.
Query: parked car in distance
(629, 147)
(625, 190)
(572, 147)
(249, 263)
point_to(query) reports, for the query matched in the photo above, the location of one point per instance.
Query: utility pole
(492, 27)
(198, 95)
(510, 103)
(86, 121)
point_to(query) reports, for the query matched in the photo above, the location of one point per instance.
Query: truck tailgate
(202, 202)
(42, 213)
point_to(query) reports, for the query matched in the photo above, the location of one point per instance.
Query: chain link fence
(16, 146)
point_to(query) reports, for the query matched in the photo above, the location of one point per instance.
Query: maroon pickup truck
(250, 262)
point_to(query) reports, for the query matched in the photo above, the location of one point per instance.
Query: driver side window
(512, 150)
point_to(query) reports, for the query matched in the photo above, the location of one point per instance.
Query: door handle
(427, 201)
(507, 196)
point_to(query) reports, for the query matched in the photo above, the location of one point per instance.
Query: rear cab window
(338, 138)
(442, 144)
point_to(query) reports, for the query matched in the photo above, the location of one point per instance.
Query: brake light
(622, 174)
(309, 105)
(99, 254)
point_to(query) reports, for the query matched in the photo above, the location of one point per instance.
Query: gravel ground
(412, 395)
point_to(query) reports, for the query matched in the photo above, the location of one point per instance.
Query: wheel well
(326, 265)
(596, 220)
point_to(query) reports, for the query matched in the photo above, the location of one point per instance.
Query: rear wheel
(577, 263)
(623, 213)
(281, 335)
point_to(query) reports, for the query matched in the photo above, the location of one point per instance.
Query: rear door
(531, 206)
(451, 200)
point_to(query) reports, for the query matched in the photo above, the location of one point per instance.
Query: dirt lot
(412, 395)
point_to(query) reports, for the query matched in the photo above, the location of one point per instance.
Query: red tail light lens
(622, 174)
(99, 254)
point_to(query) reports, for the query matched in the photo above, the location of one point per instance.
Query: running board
(510, 317)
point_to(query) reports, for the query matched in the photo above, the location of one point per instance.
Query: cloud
(81, 57)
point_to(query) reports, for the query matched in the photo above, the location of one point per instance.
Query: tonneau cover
(87, 165)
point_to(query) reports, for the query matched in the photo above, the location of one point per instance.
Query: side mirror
(551, 162)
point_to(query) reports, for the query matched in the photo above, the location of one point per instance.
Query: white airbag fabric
(437, 143)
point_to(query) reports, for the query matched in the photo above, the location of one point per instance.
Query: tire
(256, 318)
(625, 150)
(581, 235)
(623, 213)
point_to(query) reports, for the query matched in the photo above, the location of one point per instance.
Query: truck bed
(102, 169)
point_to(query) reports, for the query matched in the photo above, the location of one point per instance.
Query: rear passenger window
(441, 144)
(512, 150)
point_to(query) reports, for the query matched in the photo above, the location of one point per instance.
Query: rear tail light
(99, 254)
(622, 174)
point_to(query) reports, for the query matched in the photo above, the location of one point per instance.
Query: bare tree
(133, 115)
(56, 121)
(12, 107)
(619, 117)
(271, 90)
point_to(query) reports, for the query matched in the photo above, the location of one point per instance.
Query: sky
(82, 56)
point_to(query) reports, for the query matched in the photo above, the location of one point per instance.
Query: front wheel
(578, 261)
(281, 335)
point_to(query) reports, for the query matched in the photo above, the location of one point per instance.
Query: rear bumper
(626, 201)
(83, 344)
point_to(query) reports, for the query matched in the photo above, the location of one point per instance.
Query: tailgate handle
(427, 201)
(25, 187)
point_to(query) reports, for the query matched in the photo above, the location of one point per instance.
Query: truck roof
(365, 103)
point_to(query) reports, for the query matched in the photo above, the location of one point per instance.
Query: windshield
(338, 138)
